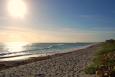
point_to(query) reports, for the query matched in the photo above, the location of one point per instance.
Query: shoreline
(21, 57)
(10, 64)
(29, 55)
(80, 53)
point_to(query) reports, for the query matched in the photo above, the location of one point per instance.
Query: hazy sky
(59, 21)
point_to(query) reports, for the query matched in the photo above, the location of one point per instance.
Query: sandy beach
(69, 64)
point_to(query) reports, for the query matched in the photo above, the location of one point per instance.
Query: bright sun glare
(17, 8)
(15, 46)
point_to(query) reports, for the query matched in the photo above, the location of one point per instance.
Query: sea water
(21, 51)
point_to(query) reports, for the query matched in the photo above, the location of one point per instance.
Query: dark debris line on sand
(67, 65)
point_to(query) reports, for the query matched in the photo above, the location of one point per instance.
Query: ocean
(21, 51)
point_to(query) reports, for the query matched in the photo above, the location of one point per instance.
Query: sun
(17, 8)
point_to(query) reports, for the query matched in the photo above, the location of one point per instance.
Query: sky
(57, 21)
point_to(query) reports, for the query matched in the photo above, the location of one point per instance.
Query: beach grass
(105, 56)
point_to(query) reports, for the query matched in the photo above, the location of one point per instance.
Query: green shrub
(106, 48)
(105, 56)
(90, 69)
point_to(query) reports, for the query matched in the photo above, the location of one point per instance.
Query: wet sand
(69, 64)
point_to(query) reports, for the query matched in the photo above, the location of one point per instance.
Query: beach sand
(69, 64)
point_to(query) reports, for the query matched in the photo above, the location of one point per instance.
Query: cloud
(106, 29)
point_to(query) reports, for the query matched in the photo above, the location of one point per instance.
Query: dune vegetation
(104, 61)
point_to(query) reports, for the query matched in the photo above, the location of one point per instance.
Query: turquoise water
(20, 51)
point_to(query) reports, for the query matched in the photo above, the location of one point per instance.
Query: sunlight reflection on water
(16, 49)
(15, 46)
(18, 58)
